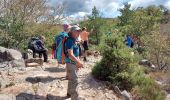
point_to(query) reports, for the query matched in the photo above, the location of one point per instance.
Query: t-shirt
(84, 35)
(63, 33)
(71, 44)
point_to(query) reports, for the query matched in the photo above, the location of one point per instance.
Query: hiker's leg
(40, 55)
(85, 45)
(45, 55)
(34, 53)
(67, 72)
(73, 81)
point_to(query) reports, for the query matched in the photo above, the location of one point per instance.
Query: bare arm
(75, 59)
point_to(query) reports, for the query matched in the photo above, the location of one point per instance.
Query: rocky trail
(48, 82)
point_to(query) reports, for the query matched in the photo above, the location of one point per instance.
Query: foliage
(140, 20)
(116, 63)
(120, 67)
(94, 24)
(157, 46)
(21, 19)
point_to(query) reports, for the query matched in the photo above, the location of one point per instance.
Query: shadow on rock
(26, 96)
(41, 79)
(55, 69)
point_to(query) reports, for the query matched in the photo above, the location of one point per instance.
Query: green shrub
(121, 68)
(116, 64)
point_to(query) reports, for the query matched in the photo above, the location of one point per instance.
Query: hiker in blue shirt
(129, 41)
(73, 62)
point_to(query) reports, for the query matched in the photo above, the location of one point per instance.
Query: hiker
(58, 45)
(129, 41)
(73, 62)
(37, 46)
(58, 39)
(84, 36)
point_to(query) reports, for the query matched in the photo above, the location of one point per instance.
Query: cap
(75, 28)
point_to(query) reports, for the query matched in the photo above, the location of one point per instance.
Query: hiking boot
(68, 95)
(47, 61)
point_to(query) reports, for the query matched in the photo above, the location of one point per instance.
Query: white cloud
(167, 4)
(79, 14)
(112, 9)
(108, 8)
(75, 17)
(141, 3)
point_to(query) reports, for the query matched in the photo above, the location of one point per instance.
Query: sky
(107, 8)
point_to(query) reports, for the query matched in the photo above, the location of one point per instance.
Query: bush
(116, 64)
(121, 68)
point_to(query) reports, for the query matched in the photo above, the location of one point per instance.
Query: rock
(117, 90)
(9, 54)
(147, 63)
(7, 97)
(3, 54)
(12, 64)
(10, 58)
(96, 53)
(14, 54)
(3, 83)
(18, 63)
(126, 95)
(32, 64)
(24, 96)
(5, 66)
(42, 89)
(35, 62)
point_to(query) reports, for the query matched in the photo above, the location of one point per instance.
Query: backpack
(31, 42)
(60, 47)
(36, 44)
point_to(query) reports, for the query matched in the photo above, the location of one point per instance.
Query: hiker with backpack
(57, 46)
(72, 61)
(37, 46)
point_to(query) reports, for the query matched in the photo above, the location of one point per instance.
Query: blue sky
(108, 8)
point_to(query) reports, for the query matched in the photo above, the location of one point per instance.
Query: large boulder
(10, 58)
(14, 54)
(9, 54)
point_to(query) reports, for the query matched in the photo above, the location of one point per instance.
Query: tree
(95, 22)
(157, 46)
(126, 15)
(21, 19)
(166, 14)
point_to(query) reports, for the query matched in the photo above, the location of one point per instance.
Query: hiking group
(67, 48)
(133, 39)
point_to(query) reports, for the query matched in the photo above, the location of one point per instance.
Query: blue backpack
(59, 51)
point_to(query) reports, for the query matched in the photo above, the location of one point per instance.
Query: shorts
(85, 45)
